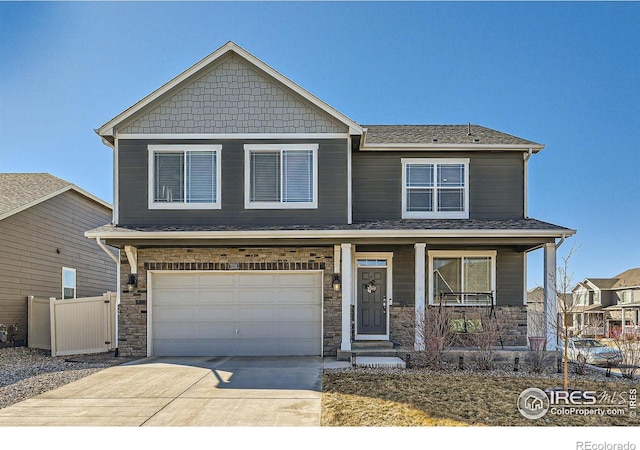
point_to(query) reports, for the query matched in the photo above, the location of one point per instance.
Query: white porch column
(419, 294)
(347, 285)
(550, 296)
(624, 320)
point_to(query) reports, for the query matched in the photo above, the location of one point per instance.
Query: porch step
(377, 349)
(368, 345)
(380, 361)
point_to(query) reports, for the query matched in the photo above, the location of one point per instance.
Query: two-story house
(256, 219)
(607, 304)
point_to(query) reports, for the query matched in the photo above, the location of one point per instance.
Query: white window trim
(435, 214)
(153, 149)
(458, 254)
(75, 282)
(249, 148)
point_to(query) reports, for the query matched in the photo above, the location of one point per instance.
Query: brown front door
(372, 301)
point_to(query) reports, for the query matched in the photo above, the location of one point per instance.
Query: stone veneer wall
(132, 325)
(512, 320)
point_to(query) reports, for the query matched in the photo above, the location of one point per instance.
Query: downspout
(117, 260)
(562, 239)
(526, 157)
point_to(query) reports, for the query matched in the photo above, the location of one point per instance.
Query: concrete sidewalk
(187, 391)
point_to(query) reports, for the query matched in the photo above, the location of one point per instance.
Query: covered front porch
(383, 283)
(623, 319)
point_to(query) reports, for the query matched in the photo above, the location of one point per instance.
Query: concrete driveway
(186, 391)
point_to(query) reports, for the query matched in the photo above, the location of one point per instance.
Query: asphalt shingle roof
(628, 278)
(20, 189)
(440, 134)
(404, 224)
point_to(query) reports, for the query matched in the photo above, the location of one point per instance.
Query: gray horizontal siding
(133, 188)
(509, 272)
(496, 184)
(510, 277)
(30, 264)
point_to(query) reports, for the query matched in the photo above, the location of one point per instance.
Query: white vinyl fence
(73, 326)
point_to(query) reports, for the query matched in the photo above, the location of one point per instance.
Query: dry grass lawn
(425, 398)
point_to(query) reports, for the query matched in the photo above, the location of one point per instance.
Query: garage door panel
(299, 280)
(251, 314)
(163, 314)
(225, 280)
(298, 296)
(258, 296)
(299, 330)
(300, 313)
(274, 314)
(259, 280)
(172, 280)
(204, 330)
(181, 314)
(216, 296)
(174, 296)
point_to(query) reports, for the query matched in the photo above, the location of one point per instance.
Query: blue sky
(562, 74)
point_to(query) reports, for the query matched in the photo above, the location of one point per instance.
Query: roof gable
(229, 91)
(19, 191)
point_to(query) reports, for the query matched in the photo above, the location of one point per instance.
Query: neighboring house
(607, 303)
(256, 219)
(535, 311)
(44, 252)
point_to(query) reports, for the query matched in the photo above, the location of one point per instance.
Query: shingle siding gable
(233, 97)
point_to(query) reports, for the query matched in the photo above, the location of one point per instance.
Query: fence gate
(73, 326)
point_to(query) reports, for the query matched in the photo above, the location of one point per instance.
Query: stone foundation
(512, 323)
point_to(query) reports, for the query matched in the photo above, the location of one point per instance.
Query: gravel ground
(26, 372)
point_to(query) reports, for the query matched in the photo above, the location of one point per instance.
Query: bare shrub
(628, 344)
(485, 339)
(431, 328)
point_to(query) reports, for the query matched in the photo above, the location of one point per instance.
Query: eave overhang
(324, 234)
(449, 147)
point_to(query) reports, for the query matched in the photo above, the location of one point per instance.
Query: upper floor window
(435, 188)
(281, 176)
(68, 282)
(580, 297)
(184, 176)
(625, 297)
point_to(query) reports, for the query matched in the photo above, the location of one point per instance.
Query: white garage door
(236, 313)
